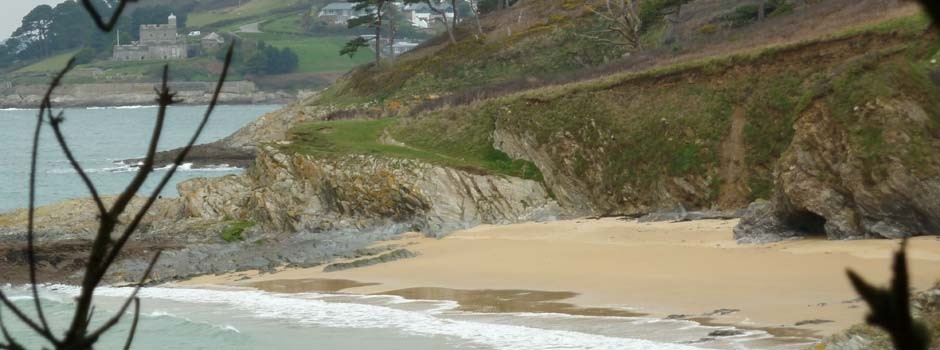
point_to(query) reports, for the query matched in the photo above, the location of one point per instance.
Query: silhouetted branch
(104, 251)
(933, 8)
(55, 122)
(890, 308)
(11, 343)
(44, 106)
(117, 316)
(135, 222)
(108, 25)
(133, 330)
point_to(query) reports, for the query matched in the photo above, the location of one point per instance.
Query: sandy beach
(656, 269)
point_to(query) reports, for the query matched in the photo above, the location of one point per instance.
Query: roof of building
(424, 8)
(339, 6)
(214, 36)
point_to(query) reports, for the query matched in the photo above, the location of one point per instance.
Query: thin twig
(127, 303)
(28, 321)
(11, 343)
(99, 20)
(56, 123)
(45, 105)
(133, 330)
(135, 222)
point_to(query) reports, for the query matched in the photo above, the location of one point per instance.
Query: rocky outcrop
(300, 193)
(828, 183)
(304, 211)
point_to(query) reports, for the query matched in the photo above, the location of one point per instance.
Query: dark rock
(721, 312)
(679, 214)
(816, 321)
(726, 333)
(387, 257)
(204, 156)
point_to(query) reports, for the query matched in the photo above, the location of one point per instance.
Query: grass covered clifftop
(461, 148)
(703, 133)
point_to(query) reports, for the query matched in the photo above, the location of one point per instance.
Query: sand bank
(659, 269)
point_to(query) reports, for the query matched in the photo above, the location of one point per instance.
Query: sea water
(190, 319)
(183, 318)
(100, 138)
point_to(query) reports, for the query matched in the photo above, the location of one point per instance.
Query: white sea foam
(128, 168)
(310, 310)
(123, 107)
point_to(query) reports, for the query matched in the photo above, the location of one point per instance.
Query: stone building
(212, 41)
(157, 42)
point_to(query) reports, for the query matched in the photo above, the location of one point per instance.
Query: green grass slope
(630, 140)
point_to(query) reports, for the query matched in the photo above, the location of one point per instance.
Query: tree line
(46, 31)
(384, 17)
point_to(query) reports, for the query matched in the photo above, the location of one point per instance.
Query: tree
(622, 20)
(436, 6)
(474, 6)
(113, 231)
(35, 28)
(375, 11)
(487, 6)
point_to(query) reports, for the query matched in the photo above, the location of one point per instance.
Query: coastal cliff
(288, 209)
(300, 193)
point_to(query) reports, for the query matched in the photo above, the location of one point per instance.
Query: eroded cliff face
(294, 193)
(829, 184)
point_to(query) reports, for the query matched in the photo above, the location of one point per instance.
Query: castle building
(157, 42)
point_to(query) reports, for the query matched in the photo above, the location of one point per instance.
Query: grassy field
(286, 24)
(249, 9)
(54, 63)
(362, 137)
(317, 54)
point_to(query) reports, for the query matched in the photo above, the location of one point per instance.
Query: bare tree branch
(45, 105)
(623, 20)
(25, 319)
(56, 123)
(135, 222)
(117, 316)
(103, 253)
(133, 330)
(108, 25)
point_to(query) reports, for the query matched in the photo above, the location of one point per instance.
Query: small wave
(123, 107)
(18, 109)
(231, 328)
(362, 316)
(127, 168)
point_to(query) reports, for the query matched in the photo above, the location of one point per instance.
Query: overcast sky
(12, 12)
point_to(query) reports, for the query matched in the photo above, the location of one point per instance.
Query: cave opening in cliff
(807, 222)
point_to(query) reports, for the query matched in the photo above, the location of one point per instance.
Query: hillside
(816, 119)
(276, 23)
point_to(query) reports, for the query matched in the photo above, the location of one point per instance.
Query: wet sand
(683, 270)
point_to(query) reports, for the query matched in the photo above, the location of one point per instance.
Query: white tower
(172, 20)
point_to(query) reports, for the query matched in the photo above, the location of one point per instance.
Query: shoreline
(688, 270)
(92, 105)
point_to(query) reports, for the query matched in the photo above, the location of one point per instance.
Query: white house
(339, 12)
(421, 15)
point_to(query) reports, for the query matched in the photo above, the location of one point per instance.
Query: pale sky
(12, 12)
